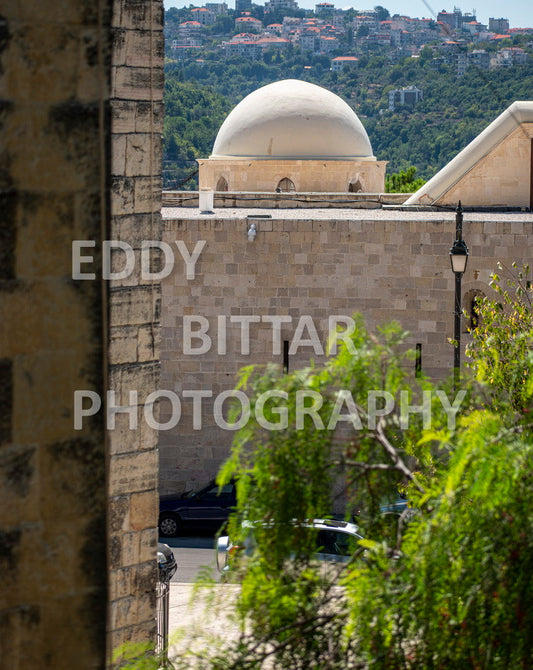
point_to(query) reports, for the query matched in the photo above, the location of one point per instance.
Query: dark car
(207, 509)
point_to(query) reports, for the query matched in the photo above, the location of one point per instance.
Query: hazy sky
(519, 12)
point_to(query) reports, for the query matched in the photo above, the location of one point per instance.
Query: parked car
(336, 542)
(207, 509)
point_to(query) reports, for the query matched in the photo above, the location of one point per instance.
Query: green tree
(501, 352)
(403, 181)
(383, 14)
(449, 589)
(291, 459)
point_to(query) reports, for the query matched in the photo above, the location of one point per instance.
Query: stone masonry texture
(52, 478)
(384, 264)
(134, 305)
(81, 110)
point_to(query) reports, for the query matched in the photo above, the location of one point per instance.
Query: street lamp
(459, 260)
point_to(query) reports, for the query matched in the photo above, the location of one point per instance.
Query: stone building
(276, 268)
(494, 170)
(292, 136)
(302, 268)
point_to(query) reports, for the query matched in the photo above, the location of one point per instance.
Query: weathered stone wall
(312, 176)
(82, 116)
(52, 477)
(134, 305)
(502, 177)
(384, 264)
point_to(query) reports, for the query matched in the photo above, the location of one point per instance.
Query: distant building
(248, 23)
(407, 97)
(473, 27)
(498, 25)
(203, 16)
(309, 40)
(267, 41)
(243, 37)
(189, 34)
(182, 52)
(275, 28)
(369, 19)
(341, 62)
(243, 6)
(467, 17)
(275, 5)
(449, 20)
(462, 63)
(511, 57)
(218, 8)
(324, 8)
(250, 49)
(383, 38)
(479, 58)
(327, 43)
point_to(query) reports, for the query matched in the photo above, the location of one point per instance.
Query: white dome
(292, 119)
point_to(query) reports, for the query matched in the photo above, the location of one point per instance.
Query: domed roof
(292, 119)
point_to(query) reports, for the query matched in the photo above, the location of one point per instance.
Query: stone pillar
(53, 175)
(134, 304)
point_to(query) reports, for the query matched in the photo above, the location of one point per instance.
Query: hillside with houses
(252, 31)
(423, 87)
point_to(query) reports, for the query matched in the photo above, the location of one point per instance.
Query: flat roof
(342, 214)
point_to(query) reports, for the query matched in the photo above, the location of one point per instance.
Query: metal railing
(166, 567)
(162, 614)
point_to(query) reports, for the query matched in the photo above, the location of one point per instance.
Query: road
(193, 554)
(197, 618)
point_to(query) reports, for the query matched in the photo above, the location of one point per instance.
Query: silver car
(336, 542)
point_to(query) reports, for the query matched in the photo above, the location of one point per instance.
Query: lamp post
(459, 260)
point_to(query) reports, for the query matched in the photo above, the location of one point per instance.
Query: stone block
(35, 133)
(44, 390)
(123, 345)
(148, 342)
(143, 155)
(137, 83)
(41, 63)
(138, 14)
(122, 612)
(144, 508)
(125, 436)
(133, 472)
(133, 305)
(147, 544)
(59, 645)
(147, 194)
(138, 48)
(118, 156)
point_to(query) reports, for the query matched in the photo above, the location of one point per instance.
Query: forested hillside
(193, 115)
(200, 93)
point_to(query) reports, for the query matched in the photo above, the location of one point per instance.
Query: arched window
(355, 187)
(285, 185)
(222, 184)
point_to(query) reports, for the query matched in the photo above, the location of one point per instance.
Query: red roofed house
(189, 33)
(338, 64)
(269, 42)
(203, 16)
(248, 23)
